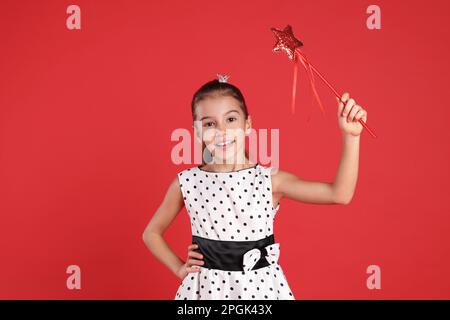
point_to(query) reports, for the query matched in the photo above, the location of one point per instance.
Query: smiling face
(221, 123)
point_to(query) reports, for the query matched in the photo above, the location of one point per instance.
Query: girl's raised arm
(288, 185)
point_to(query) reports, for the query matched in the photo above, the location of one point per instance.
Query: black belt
(237, 255)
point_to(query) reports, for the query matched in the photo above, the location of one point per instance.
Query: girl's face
(221, 123)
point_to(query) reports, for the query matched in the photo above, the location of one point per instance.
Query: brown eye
(232, 119)
(207, 124)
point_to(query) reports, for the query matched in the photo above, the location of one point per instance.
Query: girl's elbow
(145, 237)
(148, 236)
(343, 200)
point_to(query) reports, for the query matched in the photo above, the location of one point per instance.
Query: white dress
(233, 207)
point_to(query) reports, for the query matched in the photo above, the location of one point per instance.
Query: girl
(231, 202)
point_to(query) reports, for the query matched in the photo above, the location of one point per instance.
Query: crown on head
(223, 77)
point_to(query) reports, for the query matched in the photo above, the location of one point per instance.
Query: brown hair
(216, 88)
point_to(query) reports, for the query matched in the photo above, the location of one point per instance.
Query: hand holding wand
(287, 42)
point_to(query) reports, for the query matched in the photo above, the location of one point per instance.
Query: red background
(86, 118)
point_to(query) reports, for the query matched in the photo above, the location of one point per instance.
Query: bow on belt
(270, 252)
(238, 255)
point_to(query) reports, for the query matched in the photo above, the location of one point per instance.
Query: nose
(220, 131)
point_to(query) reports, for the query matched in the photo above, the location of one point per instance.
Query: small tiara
(223, 77)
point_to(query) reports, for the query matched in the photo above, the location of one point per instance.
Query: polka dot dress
(233, 206)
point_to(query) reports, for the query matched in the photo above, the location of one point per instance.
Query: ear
(248, 125)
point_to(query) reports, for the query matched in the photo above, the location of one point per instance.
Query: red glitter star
(286, 41)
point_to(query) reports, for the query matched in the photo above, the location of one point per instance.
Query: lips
(224, 144)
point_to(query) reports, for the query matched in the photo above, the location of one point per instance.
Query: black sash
(228, 255)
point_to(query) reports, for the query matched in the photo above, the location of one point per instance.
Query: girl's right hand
(191, 265)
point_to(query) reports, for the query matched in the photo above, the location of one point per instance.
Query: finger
(353, 112)
(350, 103)
(345, 96)
(340, 107)
(192, 262)
(194, 254)
(193, 269)
(193, 246)
(364, 117)
(359, 115)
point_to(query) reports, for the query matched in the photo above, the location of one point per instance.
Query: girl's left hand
(349, 115)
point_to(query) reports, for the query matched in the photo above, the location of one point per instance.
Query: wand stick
(334, 90)
(287, 42)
